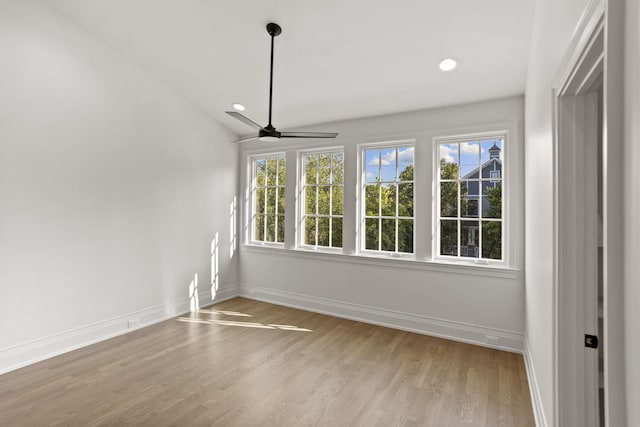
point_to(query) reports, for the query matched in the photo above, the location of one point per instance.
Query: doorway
(588, 243)
(579, 244)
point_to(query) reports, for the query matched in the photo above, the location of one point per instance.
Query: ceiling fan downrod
(274, 30)
(269, 132)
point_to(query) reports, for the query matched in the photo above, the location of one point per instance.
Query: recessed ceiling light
(448, 64)
(239, 107)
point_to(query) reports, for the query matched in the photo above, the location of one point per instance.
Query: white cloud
(405, 155)
(374, 161)
(389, 158)
(469, 148)
(445, 153)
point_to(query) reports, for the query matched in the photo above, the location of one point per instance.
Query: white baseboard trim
(20, 355)
(534, 391)
(457, 331)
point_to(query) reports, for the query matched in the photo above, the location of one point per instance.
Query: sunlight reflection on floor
(243, 324)
(226, 313)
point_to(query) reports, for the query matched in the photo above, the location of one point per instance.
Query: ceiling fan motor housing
(273, 29)
(269, 131)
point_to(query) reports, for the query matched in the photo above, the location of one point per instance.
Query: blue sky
(382, 162)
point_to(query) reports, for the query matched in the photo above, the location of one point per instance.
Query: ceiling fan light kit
(269, 133)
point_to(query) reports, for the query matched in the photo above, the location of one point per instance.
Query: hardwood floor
(247, 363)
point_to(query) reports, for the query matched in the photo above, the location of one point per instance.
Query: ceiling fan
(269, 132)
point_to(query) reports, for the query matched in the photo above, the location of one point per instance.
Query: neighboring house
(491, 176)
(488, 175)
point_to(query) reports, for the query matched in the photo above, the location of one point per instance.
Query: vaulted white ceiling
(335, 59)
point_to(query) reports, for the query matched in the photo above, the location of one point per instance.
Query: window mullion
(379, 202)
(395, 222)
(264, 216)
(315, 211)
(330, 211)
(458, 215)
(330, 199)
(317, 202)
(480, 211)
(275, 207)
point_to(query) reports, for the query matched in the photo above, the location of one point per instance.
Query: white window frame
(480, 136)
(361, 212)
(302, 200)
(425, 236)
(252, 201)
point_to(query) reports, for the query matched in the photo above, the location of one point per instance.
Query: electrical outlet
(133, 323)
(490, 339)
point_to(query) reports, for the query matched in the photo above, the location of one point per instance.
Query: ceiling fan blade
(250, 138)
(308, 134)
(244, 119)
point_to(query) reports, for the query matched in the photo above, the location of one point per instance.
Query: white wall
(632, 211)
(464, 303)
(554, 24)
(111, 187)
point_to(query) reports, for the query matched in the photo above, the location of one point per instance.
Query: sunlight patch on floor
(225, 312)
(243, 324)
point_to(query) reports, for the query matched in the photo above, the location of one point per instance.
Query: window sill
(269, 245)
(320, 249)
(389, 261)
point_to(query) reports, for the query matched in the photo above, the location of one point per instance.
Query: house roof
(485, 164)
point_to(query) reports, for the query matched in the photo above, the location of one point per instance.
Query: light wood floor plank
(248, 363)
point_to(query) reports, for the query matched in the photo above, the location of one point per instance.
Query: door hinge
(591, 341)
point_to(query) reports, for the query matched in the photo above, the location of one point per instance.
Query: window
(374, 199)
(322, 199)
(269, 176)
(387, 223)
(470, 204)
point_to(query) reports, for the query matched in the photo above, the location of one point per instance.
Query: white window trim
(301, 179)
(506, 197)
(425, 220)
(251, 167)
(361, 208)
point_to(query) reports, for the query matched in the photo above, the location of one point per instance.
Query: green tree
(405, 209)
(452, 194)
(449, 189)
(492, 230)
(380, 199)
(270, 199)
(372, 208)
(324, 199)
(449, 170)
